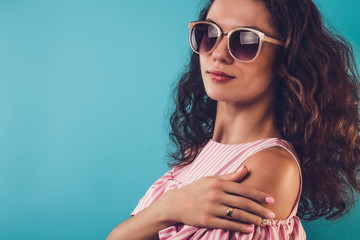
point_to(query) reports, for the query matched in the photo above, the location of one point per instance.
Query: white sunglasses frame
(221, 33)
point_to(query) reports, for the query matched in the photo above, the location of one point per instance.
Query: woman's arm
(144, 225)
(201, 204)
(275, 172)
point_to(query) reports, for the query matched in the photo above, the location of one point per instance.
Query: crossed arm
(204, 203)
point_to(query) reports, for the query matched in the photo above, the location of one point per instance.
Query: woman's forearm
(144, 225)
(198, 204)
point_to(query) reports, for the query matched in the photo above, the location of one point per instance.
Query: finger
(240, 216)
(233, 226)
(240, 174)
(253, 208)
(235, 176)
(247, 192)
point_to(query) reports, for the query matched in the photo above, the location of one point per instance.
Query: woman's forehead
(230, 14)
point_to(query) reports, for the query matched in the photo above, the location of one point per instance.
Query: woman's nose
(221, 52)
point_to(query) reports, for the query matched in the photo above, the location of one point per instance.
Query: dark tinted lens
(244, 44)
(203, 37)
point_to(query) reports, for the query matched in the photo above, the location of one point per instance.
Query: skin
(245, 103)
(245, 113)
(245, 109)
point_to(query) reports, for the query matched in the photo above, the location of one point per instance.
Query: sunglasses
(244, 43)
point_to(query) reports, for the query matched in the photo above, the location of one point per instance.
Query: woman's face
(251, 81)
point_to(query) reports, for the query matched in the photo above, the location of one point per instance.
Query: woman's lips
(219, 76)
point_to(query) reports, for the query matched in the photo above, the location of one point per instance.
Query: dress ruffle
(278, 229)
(162, 185)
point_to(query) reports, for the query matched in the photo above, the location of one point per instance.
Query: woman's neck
(236, 124)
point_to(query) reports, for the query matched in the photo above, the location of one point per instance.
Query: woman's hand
(205, 202)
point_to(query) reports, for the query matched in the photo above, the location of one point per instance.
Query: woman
(264, 74)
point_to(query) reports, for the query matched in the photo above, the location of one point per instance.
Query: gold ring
(229, 213)
(264, 221)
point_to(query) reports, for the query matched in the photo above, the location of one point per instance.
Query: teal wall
(84, 99)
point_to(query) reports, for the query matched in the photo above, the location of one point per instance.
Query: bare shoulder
(275, 172)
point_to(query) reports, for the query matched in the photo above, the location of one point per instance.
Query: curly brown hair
(316, 110)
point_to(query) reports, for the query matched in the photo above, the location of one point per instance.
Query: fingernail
(269, 200)
(250, 229)
(240, 169)
(271, 215)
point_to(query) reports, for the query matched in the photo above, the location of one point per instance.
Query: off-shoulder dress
(217, 159)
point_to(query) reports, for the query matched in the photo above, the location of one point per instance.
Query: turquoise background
(84, 108)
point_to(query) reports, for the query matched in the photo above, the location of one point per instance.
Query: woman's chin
(222, 98)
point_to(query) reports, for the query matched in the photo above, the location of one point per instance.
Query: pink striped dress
(218, 159)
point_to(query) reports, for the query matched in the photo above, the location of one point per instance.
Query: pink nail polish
(249, 229)
(269, 200)
(271, 215)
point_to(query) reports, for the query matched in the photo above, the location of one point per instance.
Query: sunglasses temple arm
(272, 40)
